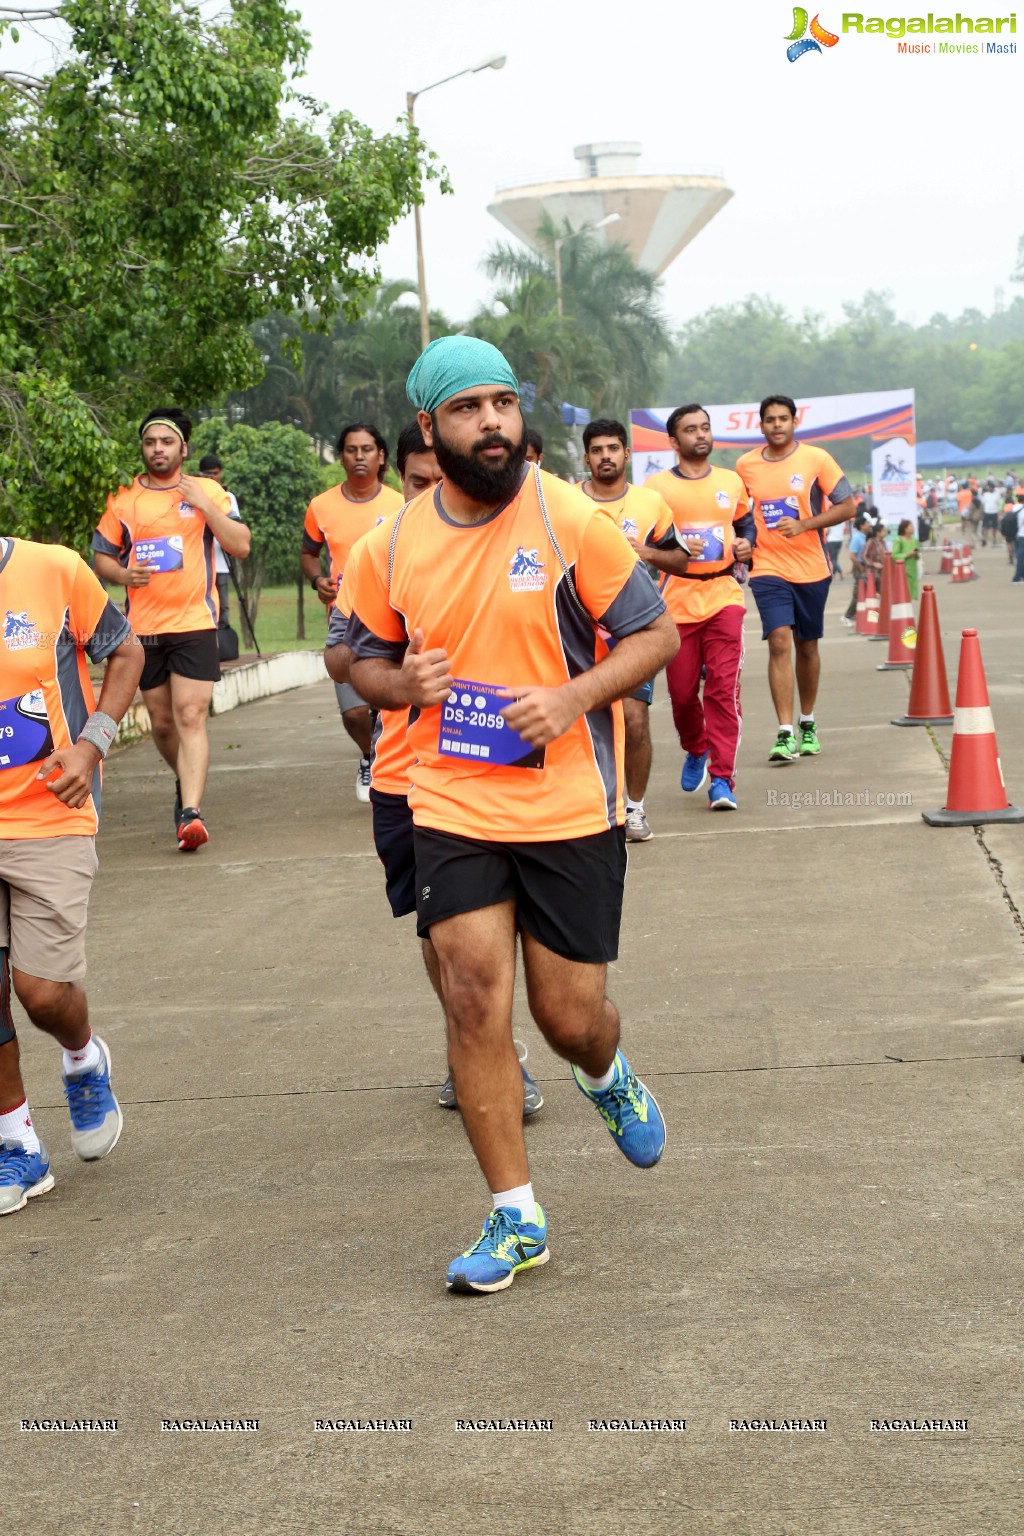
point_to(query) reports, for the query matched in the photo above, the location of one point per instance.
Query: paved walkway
(827, 1000)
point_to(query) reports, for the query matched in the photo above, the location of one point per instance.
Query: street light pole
(492, 61)
(584, 229)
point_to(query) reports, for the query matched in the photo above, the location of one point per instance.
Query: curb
(241, 683)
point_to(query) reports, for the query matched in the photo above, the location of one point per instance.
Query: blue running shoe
(96, 1117)
(695, 773)
(631, 1113)
(23, 1174)
(720, 796)
(506, 1245)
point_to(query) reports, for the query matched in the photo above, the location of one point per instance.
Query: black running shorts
(393, 840)
(568, 894)
(189, 653)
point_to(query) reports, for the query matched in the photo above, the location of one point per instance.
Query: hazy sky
(853, 168)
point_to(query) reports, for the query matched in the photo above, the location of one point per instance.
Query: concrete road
(827, 1000)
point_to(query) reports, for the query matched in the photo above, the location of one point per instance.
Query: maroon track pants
(715, 724)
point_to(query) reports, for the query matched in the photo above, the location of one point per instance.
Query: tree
(357, 372)
(162, 191)
(607, 350)
(274, 473)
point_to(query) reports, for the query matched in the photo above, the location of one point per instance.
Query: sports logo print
(800, 43)
(526, 571)
(19, 632)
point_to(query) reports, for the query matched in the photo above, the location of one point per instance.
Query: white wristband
(99, 730)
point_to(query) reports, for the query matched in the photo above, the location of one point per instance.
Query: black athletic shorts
(568, 894)
(393, 840)
(189, 653)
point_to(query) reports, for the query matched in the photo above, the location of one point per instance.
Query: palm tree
(607, 351)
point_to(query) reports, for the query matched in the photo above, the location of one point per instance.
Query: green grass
(275, 619)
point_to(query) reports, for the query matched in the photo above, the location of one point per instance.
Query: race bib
(162, 554)
(24, 730)
(713, 539)
(472, 728)
(774, 511)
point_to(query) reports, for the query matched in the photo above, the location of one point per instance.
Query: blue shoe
(96, 1117)
(720, 796)
(22, 1175)
(695, 773)
(631, 1113)
(506, 1245)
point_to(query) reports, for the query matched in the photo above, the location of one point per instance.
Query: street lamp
(584, 229)
(492, 61)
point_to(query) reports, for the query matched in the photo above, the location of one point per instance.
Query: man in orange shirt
(646, 521)
(712, 519)
(338, 518)
(392, 757)
(788, 483)
(52, 741)
(482, 610)
(156, 538)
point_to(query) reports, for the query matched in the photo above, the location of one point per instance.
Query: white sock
(85, 1060)
(16, 1125)
(599, 1084)
(519, 1199)
(634, 805)
(806, 719)
(787, 727)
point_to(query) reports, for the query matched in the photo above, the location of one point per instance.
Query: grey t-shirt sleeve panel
(669, 540)
(337, 627)
(103, 546)
(840, 490)
(363, 643)
(309, 545)
(112, 630)
(636, 606)
(745, 527)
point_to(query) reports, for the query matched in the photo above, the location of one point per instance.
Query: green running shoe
(810, 746)
(785, 749)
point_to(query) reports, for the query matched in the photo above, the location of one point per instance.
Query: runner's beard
(491, 485)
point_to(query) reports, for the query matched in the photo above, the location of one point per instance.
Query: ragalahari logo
(799, 41)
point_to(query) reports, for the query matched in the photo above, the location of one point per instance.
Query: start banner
(884, 415)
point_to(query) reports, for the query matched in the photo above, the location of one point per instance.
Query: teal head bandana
(454, 363)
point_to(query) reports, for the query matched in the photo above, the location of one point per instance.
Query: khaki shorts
(44, 900)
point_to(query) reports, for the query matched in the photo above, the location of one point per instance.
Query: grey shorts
(348, 698)
(44, 901)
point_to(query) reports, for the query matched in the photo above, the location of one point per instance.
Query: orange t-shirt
(495, 596)
(142, 524)
(391, 764)
(793, 487)
(334, 520)
(963, 499)
(708, 506)
(640, 512)
(54, 612)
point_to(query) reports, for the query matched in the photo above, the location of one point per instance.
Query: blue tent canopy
(939, 455)
(997, 450)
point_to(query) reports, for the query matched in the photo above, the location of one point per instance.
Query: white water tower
(657, 215)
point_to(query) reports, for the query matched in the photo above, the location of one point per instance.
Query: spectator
(905, 552)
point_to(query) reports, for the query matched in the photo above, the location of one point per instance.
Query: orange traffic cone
(976, 793)
(902, 630)
(861, 625)
(968, 572)
(946, 566)
(929, 691)
(881, 630)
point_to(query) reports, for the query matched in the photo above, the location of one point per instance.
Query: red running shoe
(192, 834)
